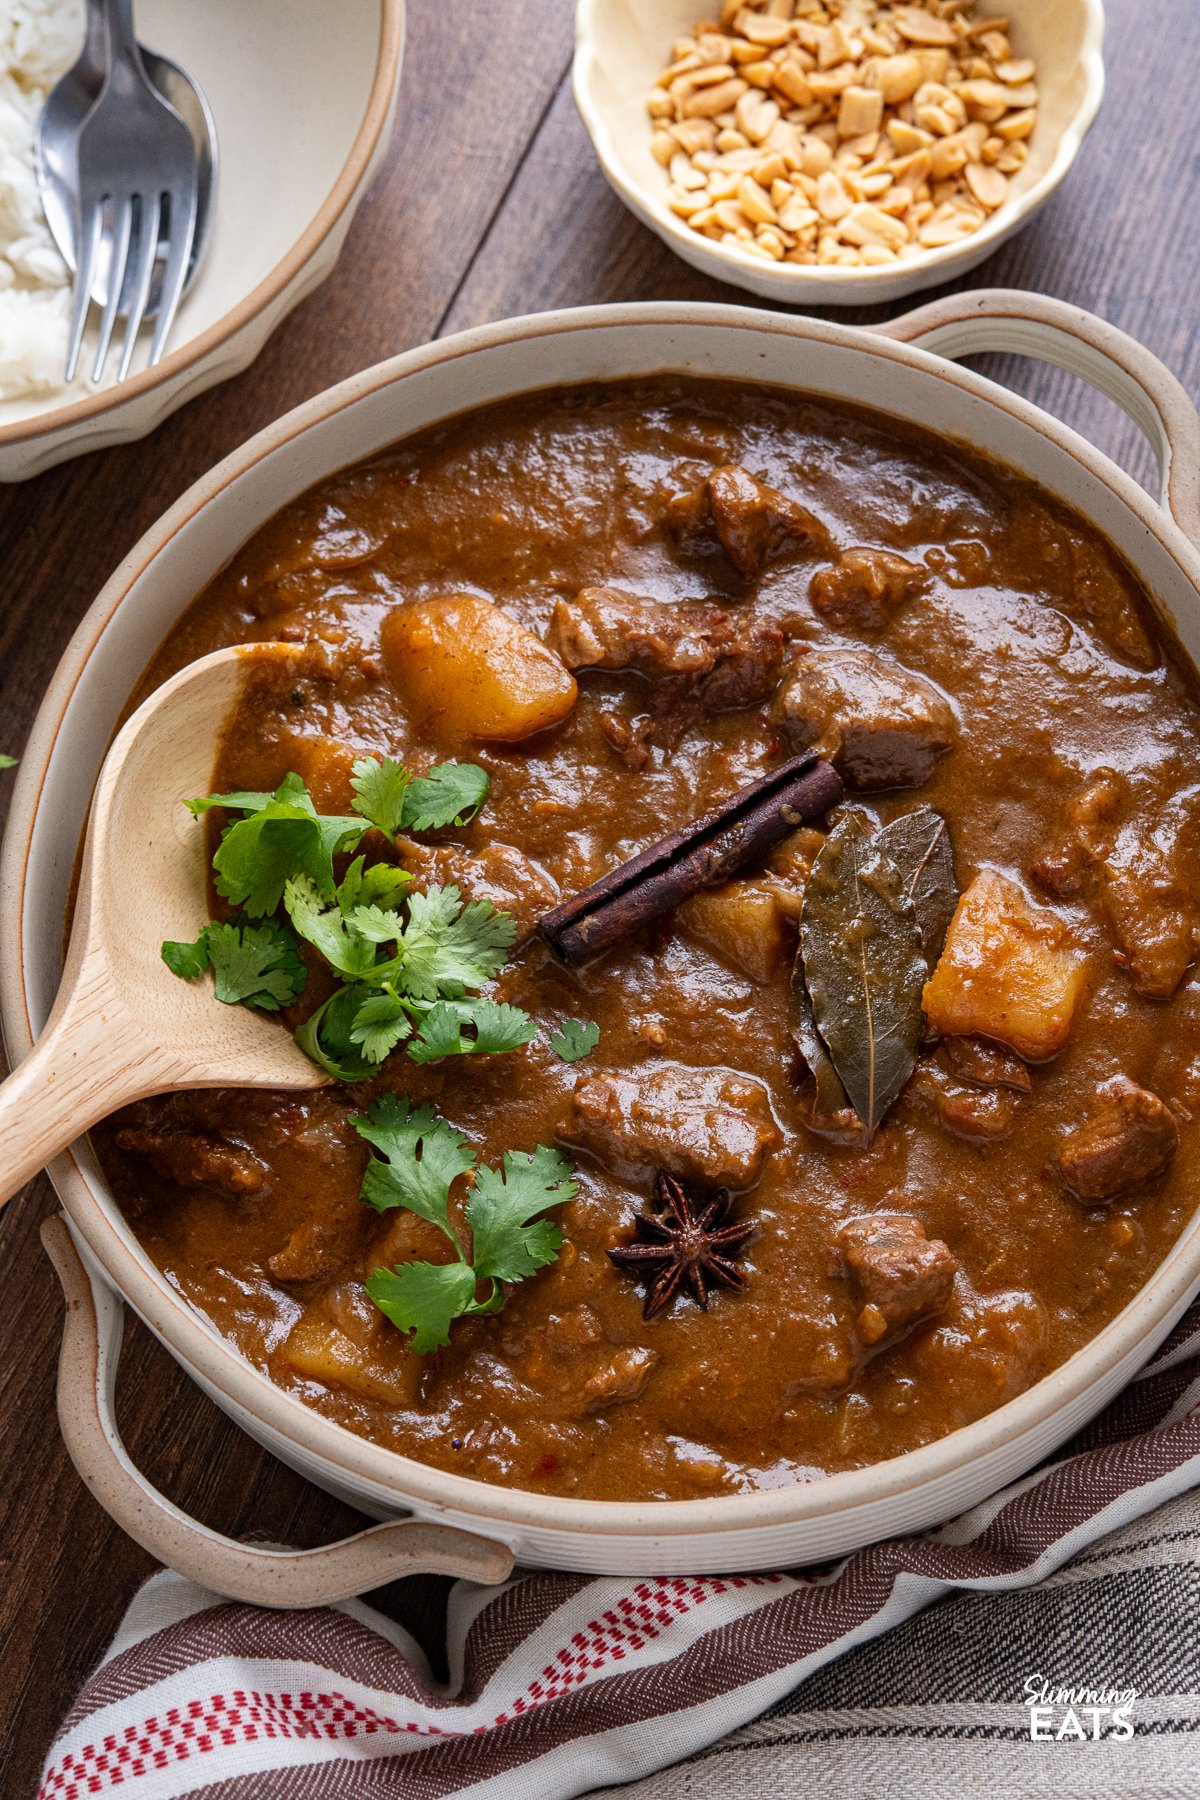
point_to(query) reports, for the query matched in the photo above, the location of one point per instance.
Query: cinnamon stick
(706, 852)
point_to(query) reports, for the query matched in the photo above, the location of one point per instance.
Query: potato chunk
(467, 668)
(1009, 972)
(341, 1341)
(745, 924)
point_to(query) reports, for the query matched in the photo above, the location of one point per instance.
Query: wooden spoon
(123, 1026)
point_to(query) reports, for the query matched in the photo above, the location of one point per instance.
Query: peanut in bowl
(777, 145)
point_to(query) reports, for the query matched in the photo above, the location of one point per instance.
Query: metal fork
(138, 181)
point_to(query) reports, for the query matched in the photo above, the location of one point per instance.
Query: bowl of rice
(286, 200)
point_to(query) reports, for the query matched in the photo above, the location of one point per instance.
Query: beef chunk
(707, 1125)
(751, 522)
(621, 1377)
(1105, 598)
(512, 881)
(606, 628)
(981, 1114)
(900, 1274)
(977, 1114)
(566, 1358)
(880, 724)
(986, 1065)
(700, 648)
(1135, 859)
(864, 588)
(315, 1248)
(191, 1160)
(1128, 1140)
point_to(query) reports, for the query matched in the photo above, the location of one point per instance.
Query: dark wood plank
(467, 116)
(490, 204)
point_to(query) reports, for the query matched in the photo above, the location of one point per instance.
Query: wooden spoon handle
(84, 1066)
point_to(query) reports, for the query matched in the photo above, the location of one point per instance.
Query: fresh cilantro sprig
(252, 965)
(393, 800)
(282, 836)
(407, 962)
(575, 1039)
(420, 1157)
(7, 762)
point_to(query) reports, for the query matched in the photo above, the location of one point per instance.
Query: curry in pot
(827, 1151)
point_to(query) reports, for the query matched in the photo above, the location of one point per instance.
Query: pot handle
(253, 1573)
(1053, 331)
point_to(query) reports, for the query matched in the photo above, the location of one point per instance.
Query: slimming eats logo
(1078, 1714)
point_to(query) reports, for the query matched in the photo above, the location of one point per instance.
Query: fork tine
(179, 250)
(85, 274)
(147, 251)
(123, 226)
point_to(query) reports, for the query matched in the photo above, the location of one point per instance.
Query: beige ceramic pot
(449, 1521)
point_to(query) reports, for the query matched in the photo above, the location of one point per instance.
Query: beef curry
(626, 604)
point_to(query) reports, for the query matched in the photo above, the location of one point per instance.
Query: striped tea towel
(1055, 1666)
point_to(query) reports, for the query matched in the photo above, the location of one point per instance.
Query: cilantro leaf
(448, 947)
(404, 958)
(378, 924)
(291, 788)
(256, 965)
(8, 762)
(497, 1026)
(252, 965)
(326, 927)
(423, 1156)
(380, 786)
(575, 1039)
(188, 961)
(424, 1298)
(381, 1022)
(325, 1036)
(450, 794)
(506, 1247)
(383, 885)
(281, 836)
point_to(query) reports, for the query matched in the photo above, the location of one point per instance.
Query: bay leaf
(919, 844)
(864, 966)
(830, 1096)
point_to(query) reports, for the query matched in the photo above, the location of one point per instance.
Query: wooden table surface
(490, 205)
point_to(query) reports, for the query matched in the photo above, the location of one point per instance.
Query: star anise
(686, 1244)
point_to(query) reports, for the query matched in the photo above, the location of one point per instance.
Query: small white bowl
(621, 46)
(303, 103)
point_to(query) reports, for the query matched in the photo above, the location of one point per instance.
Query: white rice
(39, 40)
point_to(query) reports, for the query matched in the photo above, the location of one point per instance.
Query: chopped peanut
(922, 27)
(989, 186)
(842, 132)
(1009, 971)
(860, 111)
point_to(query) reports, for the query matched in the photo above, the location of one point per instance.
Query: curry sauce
(717, 576)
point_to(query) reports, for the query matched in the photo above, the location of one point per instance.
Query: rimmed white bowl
(303, 96)
(621, 46)
(464, 1523)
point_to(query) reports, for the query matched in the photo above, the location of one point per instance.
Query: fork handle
(96, 41)
(122, 38)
